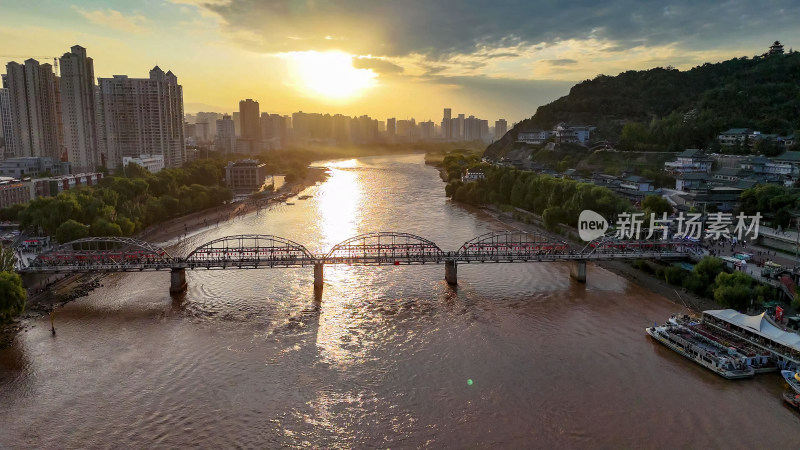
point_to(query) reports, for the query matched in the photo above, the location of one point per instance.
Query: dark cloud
(561, 62)
(377, 65)
(439, 29)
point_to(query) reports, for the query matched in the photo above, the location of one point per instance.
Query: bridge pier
(577, 271)
(318, 278)
(450, 272)
(177, 281)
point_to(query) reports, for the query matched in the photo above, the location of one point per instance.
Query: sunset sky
(391, 58)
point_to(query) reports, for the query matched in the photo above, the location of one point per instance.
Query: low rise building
(48, 187)
(637, 183)
(153, 163)
(30, 166)
(690, 160)
(471, 175)
(688, 181)
(14, 192)
(534, 136)
(246, 175)
(572, 134)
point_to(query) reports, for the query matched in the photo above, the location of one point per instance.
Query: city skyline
(389, 60)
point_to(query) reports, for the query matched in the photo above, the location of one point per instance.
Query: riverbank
(681, 297)
(55, 291)
(177, 227)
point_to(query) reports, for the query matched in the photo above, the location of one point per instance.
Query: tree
(733, 290)
(552, 216)
(70, 231)
(133, 170)
(7, 259)
(12, 296)
(102, 227)
(656, 204)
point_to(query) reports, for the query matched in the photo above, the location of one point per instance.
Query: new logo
(591, 225)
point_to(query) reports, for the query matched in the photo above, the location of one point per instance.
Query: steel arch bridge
(249, 251)
(385, 248)
(106, 254)
(254, 251)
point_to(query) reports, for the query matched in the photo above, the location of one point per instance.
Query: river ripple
(517, 355)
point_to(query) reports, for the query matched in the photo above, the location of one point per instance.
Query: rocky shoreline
(58, 293)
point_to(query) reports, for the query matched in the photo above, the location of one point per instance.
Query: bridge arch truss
(611, 245)
(385, 248)
(249, 251)
(508, 246)
(103, 254)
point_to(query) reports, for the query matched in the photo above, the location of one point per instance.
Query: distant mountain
(668, 109)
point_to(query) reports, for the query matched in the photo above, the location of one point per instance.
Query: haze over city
(389, 59)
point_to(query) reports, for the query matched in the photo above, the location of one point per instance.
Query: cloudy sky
(402, 58)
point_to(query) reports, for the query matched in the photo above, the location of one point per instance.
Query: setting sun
(330, 74)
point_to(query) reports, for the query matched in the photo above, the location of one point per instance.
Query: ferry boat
(757, 358)
(709, 354)
(783, 346)
(792, 378)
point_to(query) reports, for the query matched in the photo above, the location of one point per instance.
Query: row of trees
(556, 200)
(124, 205)
(708, 278)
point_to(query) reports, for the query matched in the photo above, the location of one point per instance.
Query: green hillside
(665, 109)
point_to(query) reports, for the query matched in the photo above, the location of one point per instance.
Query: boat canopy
(758, 325)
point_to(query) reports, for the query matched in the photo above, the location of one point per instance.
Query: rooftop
(759, 325)
(789, 156)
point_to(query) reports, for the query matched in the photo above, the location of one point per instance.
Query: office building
(141, 116)
(34, 100)
(246, 175)
(78, 109)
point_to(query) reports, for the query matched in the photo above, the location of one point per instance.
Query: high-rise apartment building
(142, 116)
(460, 135)
(226, 134)
(391, 127)
(249, 115)
(447, 125)
(34, 101)
(78, 110)
(500, 128)
(5, 122)
(237, 123)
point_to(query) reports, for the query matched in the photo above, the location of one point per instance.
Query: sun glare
(330, 74)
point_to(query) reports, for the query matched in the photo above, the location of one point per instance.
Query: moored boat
(709, 354)
(792, 379)
(792, 398)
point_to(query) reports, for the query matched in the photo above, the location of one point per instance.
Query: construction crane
(23, 57)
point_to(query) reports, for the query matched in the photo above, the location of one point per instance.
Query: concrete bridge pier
(318, 278)
(577, 271)
(177, 281)
(450, 272)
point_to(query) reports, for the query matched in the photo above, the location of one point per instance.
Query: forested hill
(667, 109)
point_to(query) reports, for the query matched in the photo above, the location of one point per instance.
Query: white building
(33, 94)
(226, 135)
(690, 160)
(142, 116)
(78, 110)
(534, 136)
(153, 163)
